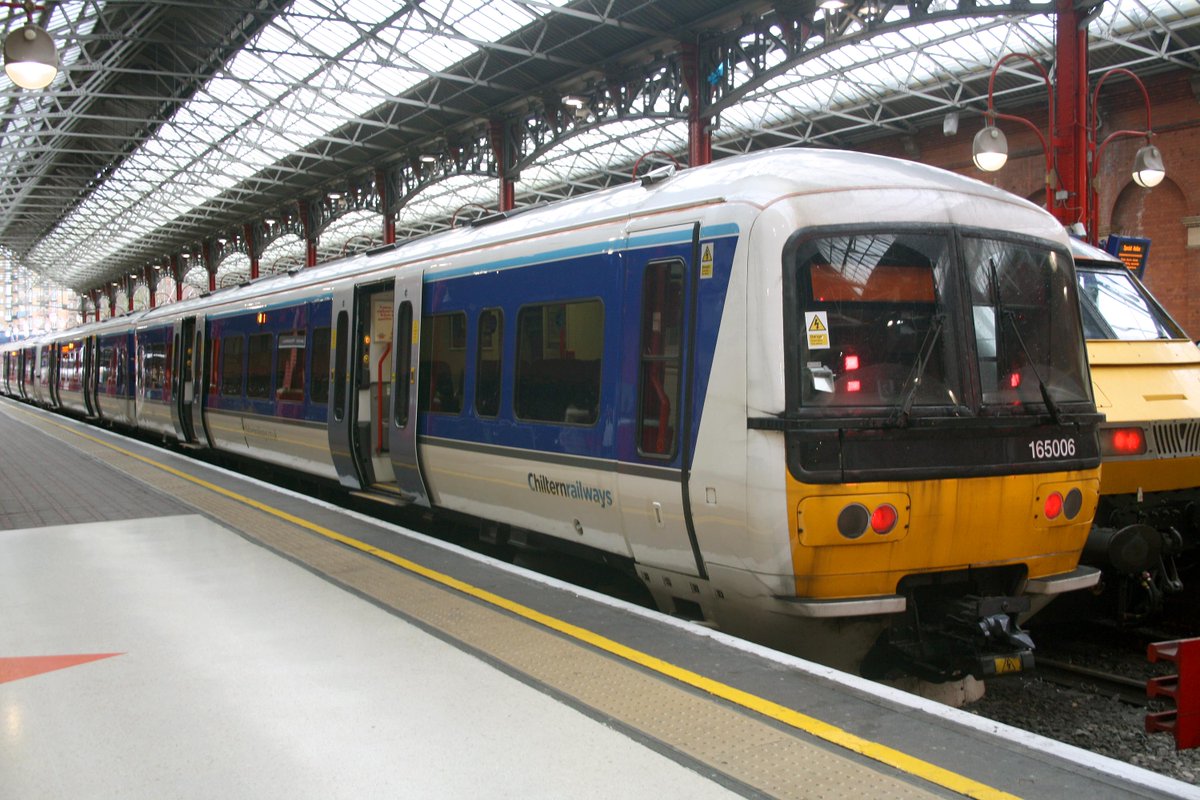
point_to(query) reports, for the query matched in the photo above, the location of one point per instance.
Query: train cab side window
(258, 366)
(443, 362)
(662, 306)
(559, 346)
(289, 367)
(154, 365)
(232, 348)
(318, 391)
(487, 369)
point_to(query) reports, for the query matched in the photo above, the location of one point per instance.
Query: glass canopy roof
(319, 66)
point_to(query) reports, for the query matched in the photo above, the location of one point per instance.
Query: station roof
(173, 120)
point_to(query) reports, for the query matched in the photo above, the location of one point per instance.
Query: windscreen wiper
(913, 382)
(1004, 313)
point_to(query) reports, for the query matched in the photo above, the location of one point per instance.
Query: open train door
(662, 263)
(183, 381)
(406, 353)
(360, 394)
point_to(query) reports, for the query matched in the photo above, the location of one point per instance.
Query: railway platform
(175, 629)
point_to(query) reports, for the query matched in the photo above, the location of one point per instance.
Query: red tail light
(853, 386)
(1124, 441)
(884, 518)
(1054, 505)
(851, 363)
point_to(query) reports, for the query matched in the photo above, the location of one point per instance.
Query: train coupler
(951, 638)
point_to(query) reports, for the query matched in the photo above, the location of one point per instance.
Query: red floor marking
(13, 669)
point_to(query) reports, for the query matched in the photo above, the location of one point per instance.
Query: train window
(1026, 318)
(487, 363)
(662, 318)
(289, 367)
(873, 319)
(443, 362)
(231, 365)
(341, 345)
(559, 346)
(403, 383)
(318, 391)
(154, 365)
(1115, 308)
(258, 366)
(107, 370)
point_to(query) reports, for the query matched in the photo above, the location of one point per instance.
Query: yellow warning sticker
(706, 260)
(816, 325)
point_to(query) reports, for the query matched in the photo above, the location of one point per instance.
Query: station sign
(1133, 252)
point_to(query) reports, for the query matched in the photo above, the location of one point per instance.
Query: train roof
(756, 179)
(1082, 251)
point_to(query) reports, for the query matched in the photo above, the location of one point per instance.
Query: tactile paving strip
(760, 755)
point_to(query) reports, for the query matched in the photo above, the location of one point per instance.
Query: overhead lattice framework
(173, 125)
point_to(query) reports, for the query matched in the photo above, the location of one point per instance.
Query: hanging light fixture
(990, 149)
(1148, 169)
(30, 59)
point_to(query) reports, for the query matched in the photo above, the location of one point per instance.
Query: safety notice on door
(816, 323)
(706, 260)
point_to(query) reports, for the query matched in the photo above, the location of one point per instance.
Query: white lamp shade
(1148, 169)
(990, 149)
(30, 59)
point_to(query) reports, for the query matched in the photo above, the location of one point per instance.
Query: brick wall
(1161, 214)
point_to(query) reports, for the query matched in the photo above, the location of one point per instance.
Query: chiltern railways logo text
(576, 491)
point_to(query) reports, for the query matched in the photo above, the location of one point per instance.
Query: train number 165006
(1052, 448)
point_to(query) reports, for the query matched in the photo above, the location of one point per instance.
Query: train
(835, 403)
(1146, 381)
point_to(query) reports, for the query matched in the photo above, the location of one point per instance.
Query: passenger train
(831, 402)
(1146, 380)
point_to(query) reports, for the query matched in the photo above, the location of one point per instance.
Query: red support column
(210, 266)
(310, 239)
(94, 294)
(248, 233)
(130, 288)
(699, 136)
(498, 133)
(111, 291)
(1070, 112)
(177, 274)
(151, 277)
(385, 204)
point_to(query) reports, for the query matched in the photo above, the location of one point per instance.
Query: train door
(54, 354)
(201, 356)
(89, 376)
(661, 269)
(362, 383)
(406, 351)
(183, 381)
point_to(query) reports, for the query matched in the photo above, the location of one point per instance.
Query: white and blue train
(832, 402)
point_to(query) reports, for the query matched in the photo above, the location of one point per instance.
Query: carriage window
(662, 306)
(487, 372)
(231, 365)
(258, 363)
(559, 346)
(319, 390)
(289, 367)
(154, 365)
(443, 362)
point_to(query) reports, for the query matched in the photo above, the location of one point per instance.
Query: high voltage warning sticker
(816, 323)
(706, 260)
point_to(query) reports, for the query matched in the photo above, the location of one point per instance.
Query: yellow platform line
(780, 713)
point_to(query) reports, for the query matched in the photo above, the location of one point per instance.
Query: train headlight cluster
(1059, 505)
(1122, 442)
(852, 519)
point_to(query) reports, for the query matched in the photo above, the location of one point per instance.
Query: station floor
(168, 629)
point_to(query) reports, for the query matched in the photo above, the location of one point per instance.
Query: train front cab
(940, 439)
(1146, 376)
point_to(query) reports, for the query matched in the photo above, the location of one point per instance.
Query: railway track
(1093, 681)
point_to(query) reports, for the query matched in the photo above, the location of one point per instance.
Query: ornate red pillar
(502, 149)
(699, 136)
(249, 231)
(1070, 112)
